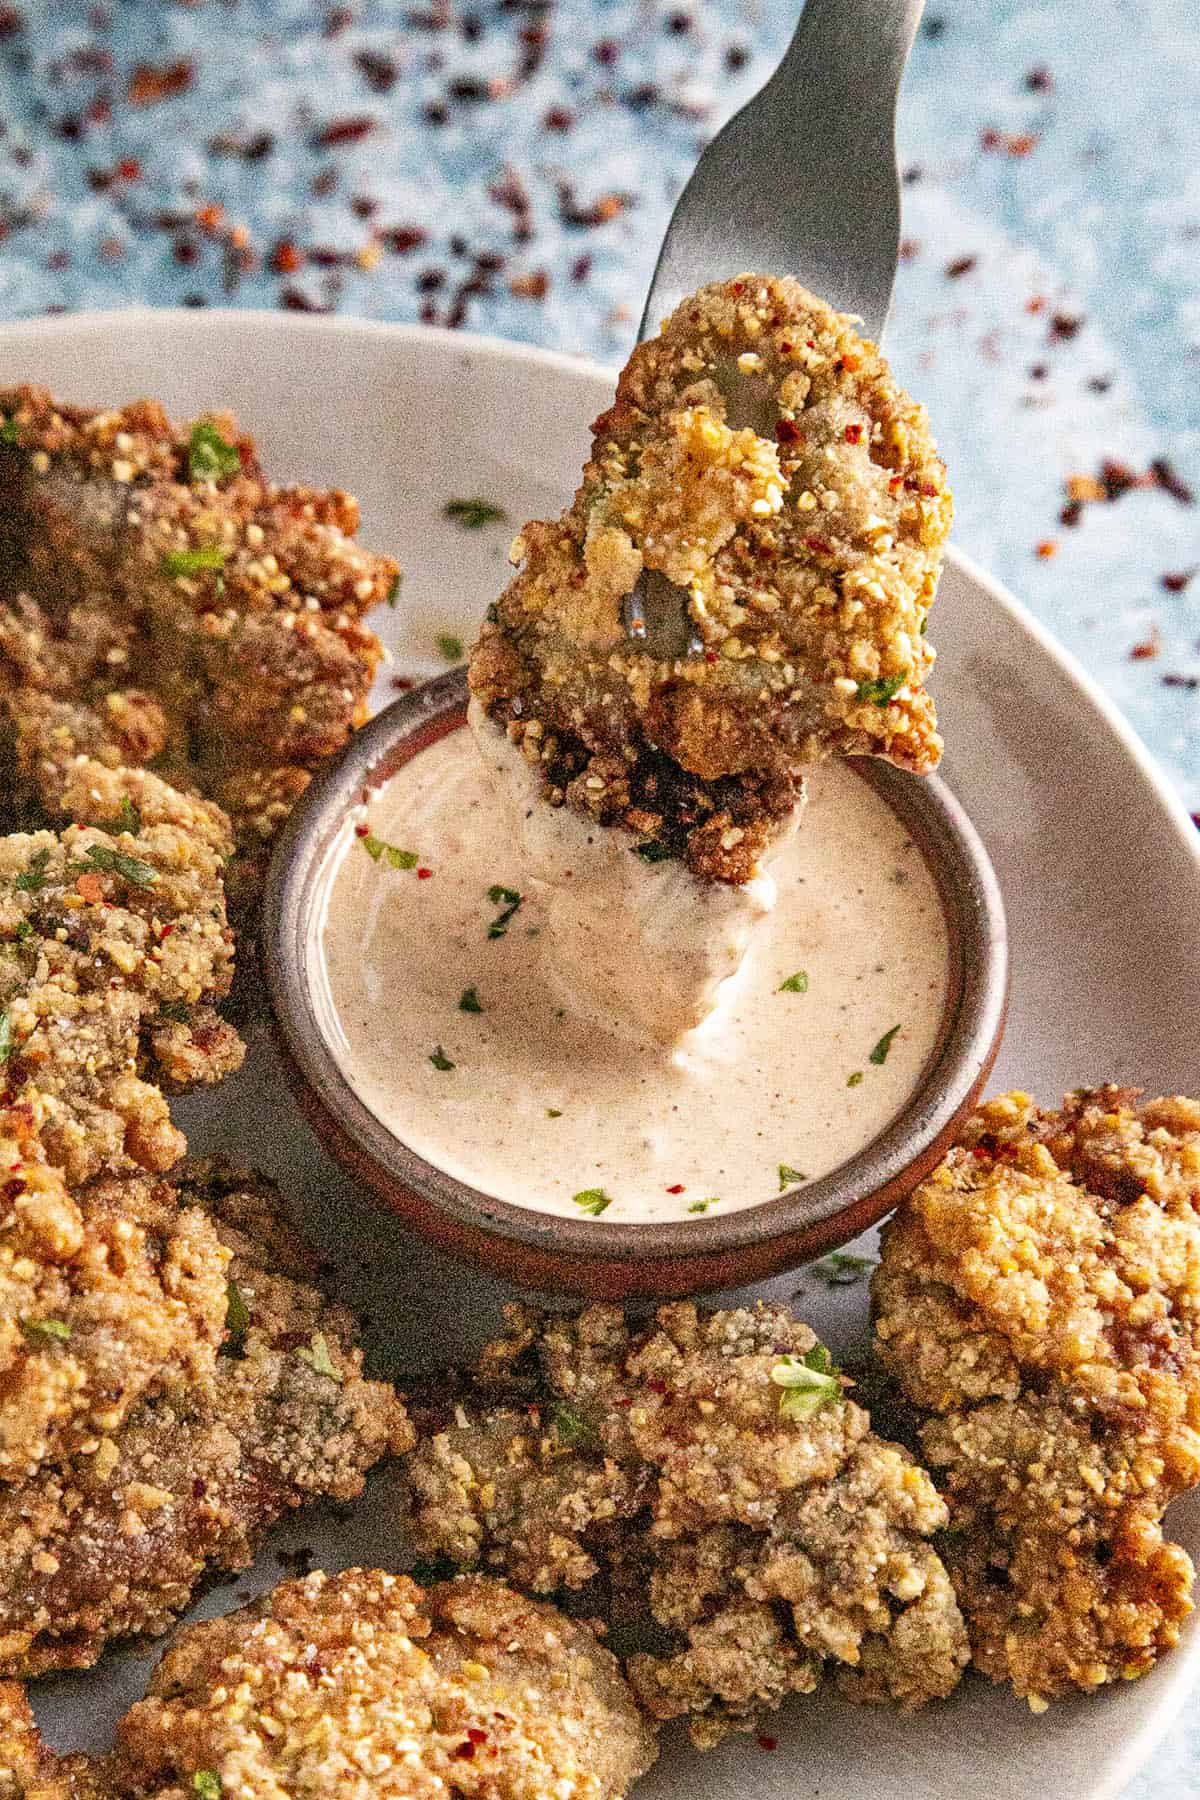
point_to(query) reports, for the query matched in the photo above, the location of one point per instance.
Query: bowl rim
(972, 1022)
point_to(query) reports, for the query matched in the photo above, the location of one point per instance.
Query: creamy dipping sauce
(455, 1033)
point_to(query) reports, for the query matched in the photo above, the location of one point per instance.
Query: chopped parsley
(318, 1357)
(554, 1112)
(6, 1037)
(593, 1201)
(795, 984)
(701, 1206)
(393, 592)
(469, 1001)
(855, 1080)
(841, 1269)
(439, 1059)
(178, 1011)
(433, 1568)
(924, 625)
(208, 1784)
(881, 691)
(116, 862)
(809, 1382)
(508, 900)
(23, 931)
(880, 1053)
(572, 1428)
(379, 851)
(46, 1328)
(128, 819)
(788, 1175)
(193, 562)
(652, 851)
(449, 646)
(237, 1317)
(210, 456)
(33, 879)
(473, 514)
(8, 431)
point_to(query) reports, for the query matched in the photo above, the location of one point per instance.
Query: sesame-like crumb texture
(1038, 1303)
(162, 602)
(762, 479)
(364, 1686)
(114, 1538)
(114, 945)
(663, 1469)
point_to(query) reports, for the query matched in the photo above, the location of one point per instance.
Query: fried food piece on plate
(114, 1539)
(166, 603)
(114, 946)
(108, 1292)
(714, 1467)
(365, 1686)
(760, 476)
(1038, 1305)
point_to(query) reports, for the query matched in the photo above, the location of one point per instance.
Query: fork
(802, 181)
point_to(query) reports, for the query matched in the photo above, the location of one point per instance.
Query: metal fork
(802, 181)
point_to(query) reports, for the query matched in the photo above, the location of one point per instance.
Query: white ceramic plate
(1099, 864)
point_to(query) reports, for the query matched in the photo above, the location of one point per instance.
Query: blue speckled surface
(511, 164)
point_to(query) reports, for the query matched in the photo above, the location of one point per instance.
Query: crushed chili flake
(600, 212)
(853, 434)
(1064, 327)
(149, 84)
(1039, 80)
(285, 258)
(1176, 581)
(1147, 649)
(350, 129)
(381, 72)
(1166, 477)
(765, 1742)
(1047, 548)
(676, 1188)
(423, 874)
(959, 266)
(1012, 143)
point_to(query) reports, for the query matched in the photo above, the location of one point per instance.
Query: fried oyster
(1038, 1304)
(162, 602)
(714, 1467)
(114, 946)
(113, 1539)
(761, 477)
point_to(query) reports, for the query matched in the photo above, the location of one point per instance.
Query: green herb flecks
(855, 1080)
(593, 1201)
(809, 1382)
(440, 1060)
(56, 1329)
(428, 1569)
(115, 862)
(840, 1269)
(237, 1318)
(379, 851)
(788, 1176)
(207, 1783)
(210, 456)
(23, 931)
(6, 1037)
(450, 647)
(473, 514)
(652, 851)
(554, 1112)
(32, 879)
(393, 593)
(880, 1053)
(8, 431)
(178, 1011)
(881, 691)
(469, 1001)
(702, 1206)
(194, 562)
(318, 1357)
(795, 984)
(128, 819)
(572, 1428)
(508, 900)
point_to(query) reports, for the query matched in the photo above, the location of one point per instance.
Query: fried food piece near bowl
(162, 602)
(1038, 1306)
(761, 481)
(709, 1472)
(114, 1539)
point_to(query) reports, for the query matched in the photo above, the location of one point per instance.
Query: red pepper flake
(910, 249)
(1176, 582)
(129, 169)
(767, 1743)
(788, 432)
(853, 434)
(294, 300)
(350, 129)
(678, 1188)
(285, 258)
(1171, 482)
(1036, 303)
(534, 286)
(1147, 649)
(601, 211)
(820, 545)
(558, 118)
(381, 72)
(402, 238)
(850, 364)
(424, 874)
(657, 1386)
(476, 1734)
(1039, 80)
(1013, 143)
(1064, 326)
(165, 933)
(402, 683)
(209, 217)
(1047, 548)
(362, 829)
(961, 265)
(148, 84)
(606, 52)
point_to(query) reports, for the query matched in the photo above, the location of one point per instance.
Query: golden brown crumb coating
(164, 603)
(761, 477)
(769, 1531)
(365, 1686)
(114, 1539)
(1038, 1303)
(114, 946)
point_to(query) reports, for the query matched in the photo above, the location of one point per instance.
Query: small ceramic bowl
(591, 1257)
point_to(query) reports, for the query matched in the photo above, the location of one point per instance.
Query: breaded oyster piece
(1038, 1304)
(115, 1539)
(107, 1293)
(365, 1686)
(164, 602)
(712, 1467)
(761, 477)
(114, 946)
